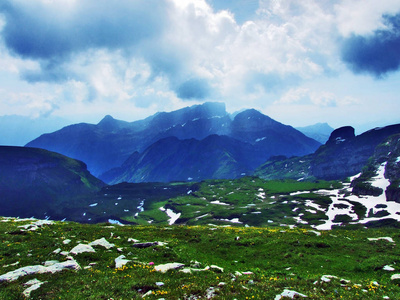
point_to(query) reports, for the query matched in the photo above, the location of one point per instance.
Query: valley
(213, 216)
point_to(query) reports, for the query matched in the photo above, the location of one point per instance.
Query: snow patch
(171, 214)
(260, 139)
(234, 220)
(111, 221)
(370, 202)
(218, 202)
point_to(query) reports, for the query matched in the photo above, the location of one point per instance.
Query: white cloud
(363, 16)
(269, 61)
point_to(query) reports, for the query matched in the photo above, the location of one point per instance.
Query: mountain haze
(319, 132)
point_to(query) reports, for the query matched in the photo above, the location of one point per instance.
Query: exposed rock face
(345, 155)
(341, 134)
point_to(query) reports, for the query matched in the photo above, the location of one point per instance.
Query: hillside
(111, 142)
(384, 164)
(343, 155)
(34, 182)
(64, 260)
(171, 159)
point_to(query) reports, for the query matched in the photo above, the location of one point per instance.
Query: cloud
(377, 53)
(194, 89)
(189, 50)
(269, 82)
(56, 29)
(316, 98)
(363, 17)
(243, 10)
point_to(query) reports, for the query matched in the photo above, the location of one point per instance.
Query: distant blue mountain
(111, 142)
(319, 132)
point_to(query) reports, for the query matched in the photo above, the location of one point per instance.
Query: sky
(299, 62)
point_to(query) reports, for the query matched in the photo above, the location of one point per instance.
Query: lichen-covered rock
(102, 242)
(170, 266)
(39, 269)
(82, 248)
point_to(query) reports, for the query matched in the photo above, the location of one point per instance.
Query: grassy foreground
(258, 263)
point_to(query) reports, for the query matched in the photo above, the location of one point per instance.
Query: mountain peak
(107, 119)
(109, 123)
(341, 134)
(251, 119)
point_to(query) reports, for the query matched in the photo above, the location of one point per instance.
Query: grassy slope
(267, 252)
(254, 201)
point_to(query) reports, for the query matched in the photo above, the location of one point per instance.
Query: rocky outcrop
(340, 135)
(343, 155)
(387, 154)
(39, 269)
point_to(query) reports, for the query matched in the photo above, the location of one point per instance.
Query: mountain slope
(343, 155)
(171, 159)
(108, 144)
(35, 181)
(385, 164)
(270, 136)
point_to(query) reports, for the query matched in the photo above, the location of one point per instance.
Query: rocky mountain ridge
(110, 143)
(343, 155)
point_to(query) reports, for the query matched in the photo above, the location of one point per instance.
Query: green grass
(278, 258)
(256, 202)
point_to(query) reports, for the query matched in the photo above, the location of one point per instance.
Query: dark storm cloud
(376, 54)
(193, 89)
(46, 31)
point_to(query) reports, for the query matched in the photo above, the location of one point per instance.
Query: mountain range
(136, 151)
(45, 184)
